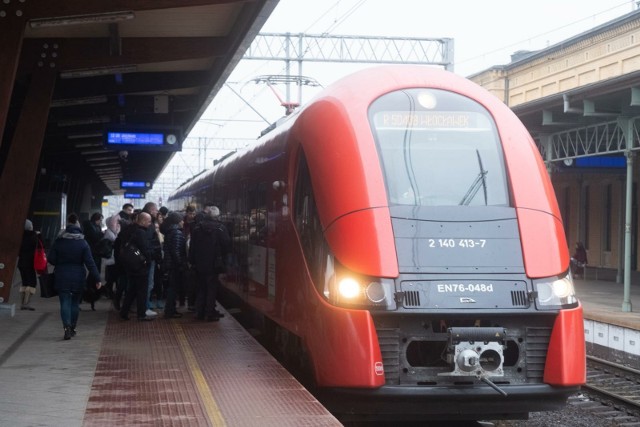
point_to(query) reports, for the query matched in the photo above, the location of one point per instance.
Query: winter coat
(175, 249)
(209, 246)
(70, 254)
(27, 249)
(138, 236)
(93, 234)
(154, 243)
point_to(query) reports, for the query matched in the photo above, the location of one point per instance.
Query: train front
(481, 319)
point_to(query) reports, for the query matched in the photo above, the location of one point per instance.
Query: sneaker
(150, 313)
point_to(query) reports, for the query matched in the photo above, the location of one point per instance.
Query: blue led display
(134, 195)
(602, 162)
(135, 184)
(135, 138)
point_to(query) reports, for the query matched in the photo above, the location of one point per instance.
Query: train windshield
(438, 148)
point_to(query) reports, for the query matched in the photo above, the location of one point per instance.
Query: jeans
(150, 282)
(69, 307)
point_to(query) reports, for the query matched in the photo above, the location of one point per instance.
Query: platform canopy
(149, 66)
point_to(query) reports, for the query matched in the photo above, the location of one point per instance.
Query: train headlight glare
(375, 292)
(555, 292)
(348, 288)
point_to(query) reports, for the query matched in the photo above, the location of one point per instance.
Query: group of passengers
(185, 254)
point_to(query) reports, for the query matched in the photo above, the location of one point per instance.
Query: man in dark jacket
(210, 245)
(137, 279)
(175, 260)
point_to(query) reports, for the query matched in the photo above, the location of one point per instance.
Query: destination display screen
(142, 138)
(134, 195)
(135, 184)
(135, 138)
(428, 119)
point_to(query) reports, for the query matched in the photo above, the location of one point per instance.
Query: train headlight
(349, 288)
(555, 292)
(345, 288)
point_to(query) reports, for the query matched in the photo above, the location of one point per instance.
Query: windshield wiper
(475, 185)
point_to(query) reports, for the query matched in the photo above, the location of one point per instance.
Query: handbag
(104, 248)
(47, 285)
(132, 259)
(40, 258)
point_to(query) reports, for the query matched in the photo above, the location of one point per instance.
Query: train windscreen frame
(438, 148)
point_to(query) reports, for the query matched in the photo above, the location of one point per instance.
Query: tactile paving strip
(182, 372)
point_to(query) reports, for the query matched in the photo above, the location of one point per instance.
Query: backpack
(104, 248)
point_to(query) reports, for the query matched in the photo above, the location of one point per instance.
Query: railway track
(615, 385)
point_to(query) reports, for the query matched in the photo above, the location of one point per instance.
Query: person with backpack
(135, 238)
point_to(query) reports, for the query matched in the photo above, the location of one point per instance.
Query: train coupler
(477, 352)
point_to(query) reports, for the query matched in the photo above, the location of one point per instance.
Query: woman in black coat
(30, 240)
(70, 254)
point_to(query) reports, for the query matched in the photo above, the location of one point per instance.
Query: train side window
(307, 221)
(258, 213)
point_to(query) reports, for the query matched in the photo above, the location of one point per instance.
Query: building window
(586, 216)
(607, 217)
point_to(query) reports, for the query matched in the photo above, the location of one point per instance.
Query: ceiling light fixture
(98, 71)
(88, 145)
(87, 121)
(97, 18)
(85, 136)
(69, 102)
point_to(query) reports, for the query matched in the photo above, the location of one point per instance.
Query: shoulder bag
(132, 259)
(40, 258)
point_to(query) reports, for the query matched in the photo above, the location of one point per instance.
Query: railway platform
(610, 333)
(177, 372)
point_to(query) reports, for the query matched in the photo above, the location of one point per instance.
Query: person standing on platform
(210, 245)
(122, 284)
(579, 260)
(156, 252)
(187, 291)
(138, 280)
(110, 269)
(71, 256)
(174, 262)
(93, 234)
(30, 240)
(125, 214)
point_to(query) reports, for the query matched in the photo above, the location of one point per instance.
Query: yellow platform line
(210, 405)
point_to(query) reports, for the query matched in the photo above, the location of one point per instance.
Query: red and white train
(401, 235)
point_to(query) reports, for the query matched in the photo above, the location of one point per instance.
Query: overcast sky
(485, 33)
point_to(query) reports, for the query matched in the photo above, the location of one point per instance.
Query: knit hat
(28, 225)
(173, 218)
